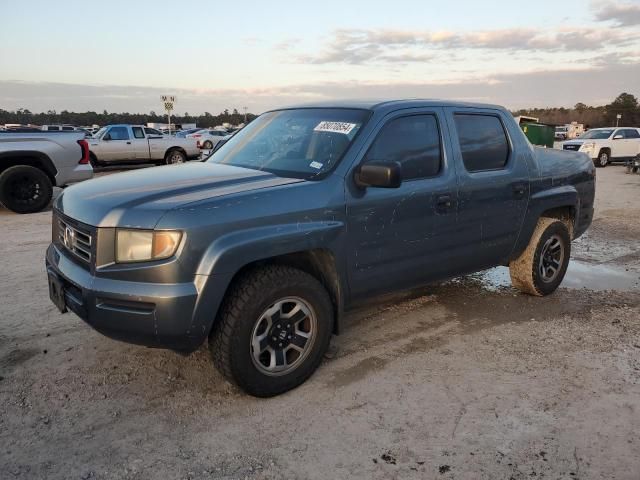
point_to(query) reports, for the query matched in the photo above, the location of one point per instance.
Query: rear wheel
(540, 269)
(174, 156)
(603, 159)
(207, 145)
(272, 330)
(25, 189)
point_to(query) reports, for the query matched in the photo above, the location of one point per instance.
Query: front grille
(571, 147)
(75, 238)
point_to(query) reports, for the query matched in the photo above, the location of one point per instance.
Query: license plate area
(56, 292)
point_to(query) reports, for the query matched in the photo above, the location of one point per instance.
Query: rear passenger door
(140, 143)
(493, 184)
(399, 237)
(631, 142)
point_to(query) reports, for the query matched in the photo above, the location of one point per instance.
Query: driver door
(401, 237)
(118, 147)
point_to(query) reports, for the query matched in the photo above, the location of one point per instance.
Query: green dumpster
(539, 134)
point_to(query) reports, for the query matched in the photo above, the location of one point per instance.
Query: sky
(122, 55)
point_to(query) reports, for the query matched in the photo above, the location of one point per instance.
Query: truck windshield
(300, 143)
(597, 134)
(100, 132)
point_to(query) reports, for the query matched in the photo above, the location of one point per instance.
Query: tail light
(84, 146)
(196, 135)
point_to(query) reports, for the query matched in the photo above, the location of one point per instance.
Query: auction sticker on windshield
(335, 127)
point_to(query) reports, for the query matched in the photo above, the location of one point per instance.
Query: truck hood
(138, 199)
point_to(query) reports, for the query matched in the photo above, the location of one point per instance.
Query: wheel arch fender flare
(29, 157)
(560, 197)
(227, 255)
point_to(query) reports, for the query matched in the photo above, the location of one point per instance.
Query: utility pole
(245, 115)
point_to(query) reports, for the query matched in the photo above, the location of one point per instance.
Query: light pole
(245, 115)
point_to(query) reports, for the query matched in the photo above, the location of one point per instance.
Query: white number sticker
(335, 127)
(316, 165)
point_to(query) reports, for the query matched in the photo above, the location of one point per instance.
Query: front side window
(631, 133)
(119, 133)
(483, 142)
(299, 143)
(413, 142)
(137, 132)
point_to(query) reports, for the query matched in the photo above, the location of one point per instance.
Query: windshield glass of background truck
(597, 134)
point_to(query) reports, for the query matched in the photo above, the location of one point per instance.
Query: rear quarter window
(483, 142)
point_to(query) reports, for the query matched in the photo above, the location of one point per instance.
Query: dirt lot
(468, 379)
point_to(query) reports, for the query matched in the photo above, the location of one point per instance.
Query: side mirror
(381, 175)
(618, 136)
(107, 137)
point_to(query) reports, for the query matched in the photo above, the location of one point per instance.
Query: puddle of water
(579, 275)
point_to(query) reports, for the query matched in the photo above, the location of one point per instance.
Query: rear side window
(414, 142)
(137, 132)
(483, 142)
(119, 133)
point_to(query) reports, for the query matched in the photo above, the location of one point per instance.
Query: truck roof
(391, 104)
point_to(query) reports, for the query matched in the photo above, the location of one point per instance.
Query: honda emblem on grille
(69, 237)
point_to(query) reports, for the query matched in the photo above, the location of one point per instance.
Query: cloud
(624, 14)
(359, 46)
(593, 86)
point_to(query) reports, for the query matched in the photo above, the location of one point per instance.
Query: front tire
(603, 159)
(540, 269)
(272, 330)
(174, 157)
(25, 189)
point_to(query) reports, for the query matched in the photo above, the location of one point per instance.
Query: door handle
(444, 202)
(519, 189)
(128, 143)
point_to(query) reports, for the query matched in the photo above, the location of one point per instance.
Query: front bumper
(151, 314)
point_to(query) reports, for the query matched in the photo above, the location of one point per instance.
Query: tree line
(625, 104)
(51, 117)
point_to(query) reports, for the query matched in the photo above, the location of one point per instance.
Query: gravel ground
(468, 379)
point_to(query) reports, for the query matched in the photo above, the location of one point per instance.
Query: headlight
(588, 146)
(144, 245)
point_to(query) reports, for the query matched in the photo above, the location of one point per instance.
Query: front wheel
(174, 156)
(540, 269)
(603, 159)
(272, 330)
(25, 189)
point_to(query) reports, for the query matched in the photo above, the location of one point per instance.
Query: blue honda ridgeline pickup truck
(261, 248)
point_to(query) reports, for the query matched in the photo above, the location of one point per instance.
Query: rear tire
(603, 159)
(174, 157)
(540, 269)
(207, 145)
(253, 324)
(25, 189)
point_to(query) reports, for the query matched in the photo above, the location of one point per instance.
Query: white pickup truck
(606, 145)
(32, 163)
(137, 144)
